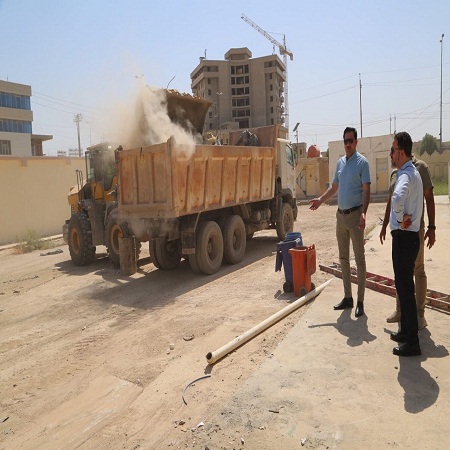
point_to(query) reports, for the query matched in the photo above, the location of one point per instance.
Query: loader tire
(209, 247)
(286, 223)
(114, 230)
(234, 239)
(81, 249)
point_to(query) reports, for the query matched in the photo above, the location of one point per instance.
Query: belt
(399, 231)
(348, 211)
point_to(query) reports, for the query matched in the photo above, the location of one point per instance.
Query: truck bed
(168, 180)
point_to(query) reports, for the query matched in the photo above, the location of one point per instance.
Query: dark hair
(351, 130)
(404, 142)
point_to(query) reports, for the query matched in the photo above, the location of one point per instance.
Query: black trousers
(405, 247)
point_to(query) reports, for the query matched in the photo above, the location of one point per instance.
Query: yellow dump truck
(203, 202)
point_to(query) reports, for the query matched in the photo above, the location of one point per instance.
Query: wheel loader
(94, 218)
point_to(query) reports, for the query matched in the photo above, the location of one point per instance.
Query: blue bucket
(284, 259)
(293, 236)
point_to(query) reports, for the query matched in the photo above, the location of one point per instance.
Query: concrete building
(245, 92)
(16, 118)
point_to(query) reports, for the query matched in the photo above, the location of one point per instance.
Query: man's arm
(385, 220)
(430, 235)
(316, 202)
(365, 205)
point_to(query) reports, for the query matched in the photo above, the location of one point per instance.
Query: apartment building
(245, 92)
(16, 118)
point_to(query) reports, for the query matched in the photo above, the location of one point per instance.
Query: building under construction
(245, 92)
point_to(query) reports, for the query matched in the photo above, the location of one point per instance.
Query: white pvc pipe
(212, 357)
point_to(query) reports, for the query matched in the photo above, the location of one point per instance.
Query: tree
(428, 145)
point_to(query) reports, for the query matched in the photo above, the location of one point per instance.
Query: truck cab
(286, 166)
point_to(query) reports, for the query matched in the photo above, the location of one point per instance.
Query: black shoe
(407, 350)
(359, 311)
(346, 302)
(398, 337)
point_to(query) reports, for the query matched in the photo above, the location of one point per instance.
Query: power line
(64, 101)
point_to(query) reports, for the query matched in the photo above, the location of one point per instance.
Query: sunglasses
(348, 141)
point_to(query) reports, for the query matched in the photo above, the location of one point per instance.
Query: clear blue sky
(81, 57)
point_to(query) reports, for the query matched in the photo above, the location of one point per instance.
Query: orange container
(303, 266)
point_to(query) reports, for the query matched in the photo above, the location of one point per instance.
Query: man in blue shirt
(405, 218)
(352, 183)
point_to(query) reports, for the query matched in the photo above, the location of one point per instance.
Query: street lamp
(295, 130)
(440, 128)
(167, 87)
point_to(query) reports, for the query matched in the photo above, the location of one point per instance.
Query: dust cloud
(145, 121)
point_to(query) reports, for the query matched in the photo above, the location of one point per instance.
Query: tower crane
(284, 52)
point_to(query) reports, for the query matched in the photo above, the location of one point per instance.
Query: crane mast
(284, 52)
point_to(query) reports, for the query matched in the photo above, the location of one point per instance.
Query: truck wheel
(234, 239)
(193, 263)
(81, 249)
(152, 250)
(286, 223)
(209, 248)
(167, 253)
(113, 232)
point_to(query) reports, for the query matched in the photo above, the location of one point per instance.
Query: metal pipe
(212, 357)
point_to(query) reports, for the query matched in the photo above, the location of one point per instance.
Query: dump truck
(94, 218)
(203, 202)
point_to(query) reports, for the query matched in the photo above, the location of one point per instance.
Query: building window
(15, 101)
(271, 98)
(240, 91)
(209, 92)
(236, 102)
(5, 147)
(209, 80)
(15, 126)
(241, 113)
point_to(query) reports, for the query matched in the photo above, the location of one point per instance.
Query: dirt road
(92, 359)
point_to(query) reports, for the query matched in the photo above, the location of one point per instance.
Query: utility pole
(77, 119)
(360, 103)
(440, 128)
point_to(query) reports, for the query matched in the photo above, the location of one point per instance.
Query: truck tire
(234, 239)
(152, 251)
(193, 263)
(209, 248)
(81, 249)
(168, 253)
(114, 230)
(286, 223)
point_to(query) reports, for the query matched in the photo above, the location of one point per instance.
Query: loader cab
(101, 169)
(286, 166)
